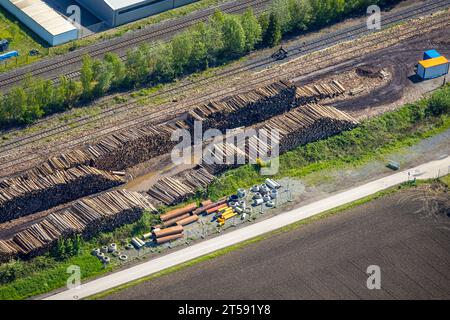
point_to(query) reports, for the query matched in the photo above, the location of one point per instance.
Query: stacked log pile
(223, 156)
(176, 189)
(30, 193)
(308, 123)
(87, 217)
(63, 161)
(130, 147)
(316, 92)
(245, 109)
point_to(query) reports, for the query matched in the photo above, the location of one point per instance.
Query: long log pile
(245, 109)
(316, 92)
(30, 193)
(308, 123)
(87, 217)
(176, 189)
(261, 104)
(130, 147)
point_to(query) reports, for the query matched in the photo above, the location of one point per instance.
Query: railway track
(297, 51)
(69, 64)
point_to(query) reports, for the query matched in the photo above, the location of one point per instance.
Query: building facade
(118, 12)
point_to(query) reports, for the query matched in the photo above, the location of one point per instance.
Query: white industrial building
(42, 19)
(117, 12)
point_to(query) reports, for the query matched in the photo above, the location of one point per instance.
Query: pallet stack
(31, 192)
(87, 217)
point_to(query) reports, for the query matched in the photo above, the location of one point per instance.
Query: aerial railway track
(69, 63)
(174, 109)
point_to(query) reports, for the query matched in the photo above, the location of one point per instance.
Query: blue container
(430, 54)
(8, 55)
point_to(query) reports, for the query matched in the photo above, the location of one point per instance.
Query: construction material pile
(30, 192)
(168, 234)
(176, 189)
(87, 217)
(308, 123)
(245, 109)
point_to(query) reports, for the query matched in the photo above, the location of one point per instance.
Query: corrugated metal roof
(45, 16)
(433, 62)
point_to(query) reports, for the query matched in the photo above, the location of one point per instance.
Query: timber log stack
(87, 217)
(319, 91)
(307, 124)
(30, 192)
(245, 109)
(176, 189)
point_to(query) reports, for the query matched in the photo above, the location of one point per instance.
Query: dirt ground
(406, 234)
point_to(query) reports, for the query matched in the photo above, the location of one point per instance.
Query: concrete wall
(179, 3)
(115, 18)
(99, 9)
(37, 28)
(153, 7)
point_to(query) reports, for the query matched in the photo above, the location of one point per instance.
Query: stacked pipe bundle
(169, 234)
(173, 190)
(87, 217)
(245, 109)
(314, 93)
(173, 217)
(30, 192)
(308, 123)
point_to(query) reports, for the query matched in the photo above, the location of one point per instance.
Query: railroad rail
(295, 51)
(162, 31)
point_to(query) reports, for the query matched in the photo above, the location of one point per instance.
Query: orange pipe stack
(178, 212)
(207, 207)
(174, 221)
(169, 238)
(168, 232)
(188, 220)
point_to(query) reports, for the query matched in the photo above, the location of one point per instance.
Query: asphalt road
(327, 259)
(425, 171)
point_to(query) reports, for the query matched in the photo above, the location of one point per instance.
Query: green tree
(252, 30)
(182, 49)
(87, 76)
(118, 69)
(103, 77)
(272, 36)
(301, 15)
(164, 70)
(233, 37)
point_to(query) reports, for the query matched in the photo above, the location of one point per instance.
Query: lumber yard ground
(428, 171)
(398, 55)
(374, 97)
